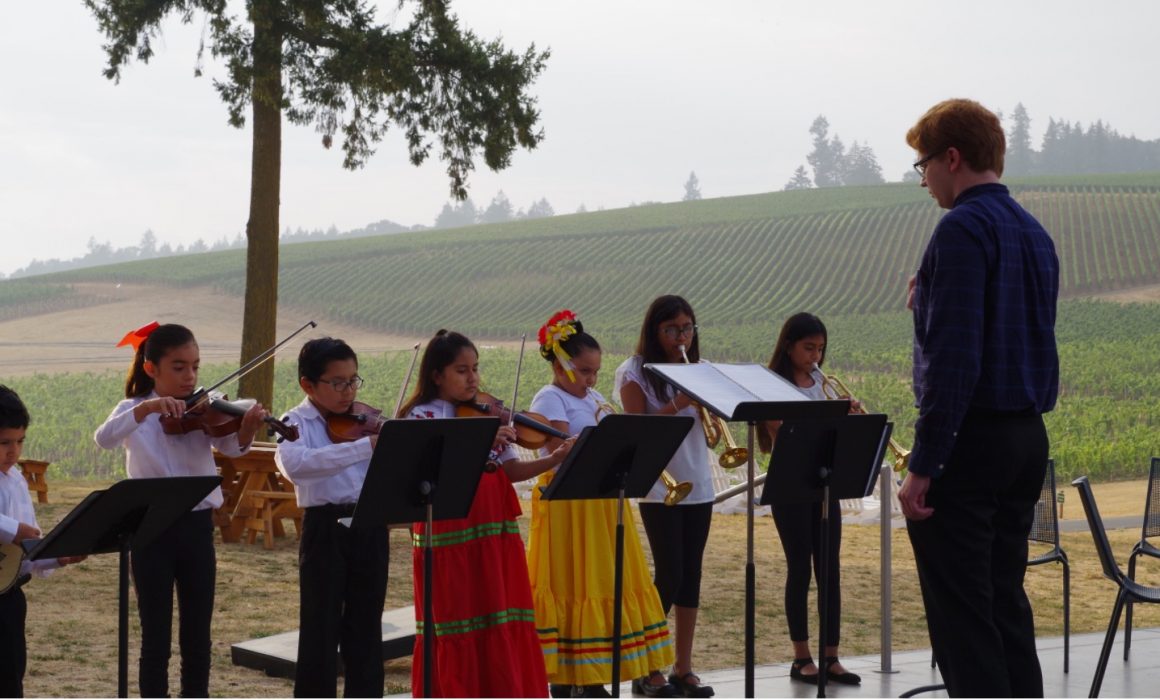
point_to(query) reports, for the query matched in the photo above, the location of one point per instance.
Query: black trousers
(13, 651)
(972, 556)
(677, 537)
(183, 558)
(342, 575)
(800, 532)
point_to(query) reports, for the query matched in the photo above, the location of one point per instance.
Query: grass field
(72, 614)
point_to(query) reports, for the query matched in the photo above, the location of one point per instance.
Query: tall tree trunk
(261, 305)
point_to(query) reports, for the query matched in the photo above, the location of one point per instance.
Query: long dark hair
(163, 339)
(800, 325)
(648, 346)
(441, 351)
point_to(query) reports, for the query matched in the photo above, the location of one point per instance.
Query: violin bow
(406, 382)
(260, 358)
(516, 391)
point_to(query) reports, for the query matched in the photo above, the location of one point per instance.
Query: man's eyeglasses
(920, 166)
(341, 385)
(674, 332)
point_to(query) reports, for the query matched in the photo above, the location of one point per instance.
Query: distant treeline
(1070, 149)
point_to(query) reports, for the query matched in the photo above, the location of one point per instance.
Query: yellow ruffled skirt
(572, 560)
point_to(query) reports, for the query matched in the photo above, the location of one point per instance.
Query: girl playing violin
(677, 534)
(164, 371)
(486, 644)
(570, 552)
(342, 572)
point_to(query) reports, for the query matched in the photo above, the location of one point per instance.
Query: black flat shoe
(795, 671)
(590, 691)
(641, 687)
(559, 691)
(844, 678)
(690, 685)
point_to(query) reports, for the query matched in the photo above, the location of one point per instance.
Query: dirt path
(81, 340)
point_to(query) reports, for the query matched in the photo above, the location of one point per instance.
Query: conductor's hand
(910, 291)
(24, 531)
(912, 496)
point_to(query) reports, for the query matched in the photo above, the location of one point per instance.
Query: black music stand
(415, 461)
(129, 514)
(622, 456)
(815, 462)
(752, 394)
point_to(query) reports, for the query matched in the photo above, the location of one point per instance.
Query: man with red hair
(985, 369)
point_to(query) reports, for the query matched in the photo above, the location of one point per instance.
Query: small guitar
(11, 557)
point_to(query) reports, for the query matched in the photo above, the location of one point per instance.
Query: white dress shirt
(321, 470)
(15, 508)
(150, 453)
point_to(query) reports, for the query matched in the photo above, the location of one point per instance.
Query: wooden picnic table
(257, 497)
(34, 470)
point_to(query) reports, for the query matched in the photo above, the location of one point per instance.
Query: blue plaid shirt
(984, 320)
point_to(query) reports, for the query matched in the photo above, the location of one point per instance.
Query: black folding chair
(1151, 529)
(1045, 529)
(1130, 591)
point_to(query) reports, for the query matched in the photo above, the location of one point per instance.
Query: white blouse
(445, 409)
(150, 453)
(691, 462)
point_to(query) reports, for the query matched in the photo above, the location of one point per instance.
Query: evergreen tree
(861, 167)
(800, 180)
(692, 188)
(499, 211)
(327, 63)
(540, 209)
(826, 164)
(1020, 157)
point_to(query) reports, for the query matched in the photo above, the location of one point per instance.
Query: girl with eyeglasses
(342, 572)
(571, 544)
(164, 372)
(485, 627)
(677, 534)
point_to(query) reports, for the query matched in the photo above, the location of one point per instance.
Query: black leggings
(677, 537)
(13, 652)
(182, 557)
(800, 533)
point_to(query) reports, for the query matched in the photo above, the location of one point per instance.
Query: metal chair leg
(1109, 638)
(1066, 614)
(1128, 614)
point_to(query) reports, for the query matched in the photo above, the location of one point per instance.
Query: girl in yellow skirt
(570, 551)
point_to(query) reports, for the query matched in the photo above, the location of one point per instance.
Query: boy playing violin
(342, 572)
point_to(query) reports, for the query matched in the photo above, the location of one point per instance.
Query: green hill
(740, 260)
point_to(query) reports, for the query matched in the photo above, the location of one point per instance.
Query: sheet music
(721, 387)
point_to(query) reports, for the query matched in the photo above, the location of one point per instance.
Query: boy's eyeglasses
(341, 385)
(920, 166)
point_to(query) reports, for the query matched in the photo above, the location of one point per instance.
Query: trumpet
(716, 430)
(675, 491)
(835, 388)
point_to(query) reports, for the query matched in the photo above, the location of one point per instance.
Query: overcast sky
(635, 96)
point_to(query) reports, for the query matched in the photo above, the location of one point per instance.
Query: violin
(358, 422)
(532, 429)
(215, 415)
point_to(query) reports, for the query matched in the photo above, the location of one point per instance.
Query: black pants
(343, 585)
(677, 537)
(183, 557)
(800, 532)
(972, 556)
(13, 652)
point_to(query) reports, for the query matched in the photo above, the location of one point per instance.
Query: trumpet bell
(733, 458)
(677, 493)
